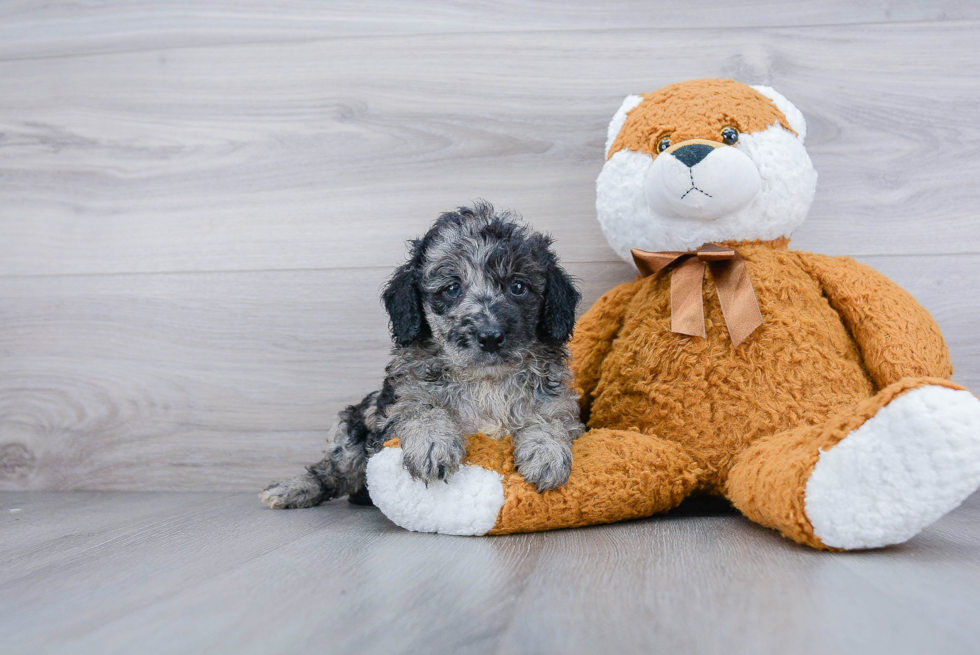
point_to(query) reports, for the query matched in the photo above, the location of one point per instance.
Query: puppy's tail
(341, 472)
(302, 491)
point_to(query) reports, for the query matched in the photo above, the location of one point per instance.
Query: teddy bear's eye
(663, 144)
(729, 135)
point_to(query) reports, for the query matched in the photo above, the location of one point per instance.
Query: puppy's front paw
(433, 458)
(545, 463)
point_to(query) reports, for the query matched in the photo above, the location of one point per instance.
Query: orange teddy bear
(810, 391)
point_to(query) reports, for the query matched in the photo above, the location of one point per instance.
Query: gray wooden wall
(199, 201)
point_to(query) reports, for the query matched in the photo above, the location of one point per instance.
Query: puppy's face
(484, 287)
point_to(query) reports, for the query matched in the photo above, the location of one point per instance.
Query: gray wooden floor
(198, 204)
(122, 572)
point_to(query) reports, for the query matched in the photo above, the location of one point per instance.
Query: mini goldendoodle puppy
(480, 315)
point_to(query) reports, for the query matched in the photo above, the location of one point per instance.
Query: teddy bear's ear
(793, 115)
(616, 124)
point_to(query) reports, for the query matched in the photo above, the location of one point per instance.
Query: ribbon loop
(711, 252)
(739, 305)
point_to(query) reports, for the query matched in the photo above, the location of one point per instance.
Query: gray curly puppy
(480, 315)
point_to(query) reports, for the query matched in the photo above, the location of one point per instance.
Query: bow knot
(739, 305)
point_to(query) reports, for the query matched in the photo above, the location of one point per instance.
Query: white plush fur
(788, 182)
(468, 505)
(908, 465)
(616, 124)
(719, 185)
(793, 115)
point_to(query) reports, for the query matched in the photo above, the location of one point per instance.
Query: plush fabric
(630, 369)
(469, 506)
(696, 110)
(767, 481)
(835, 422)
(632, 189)
(897, 472)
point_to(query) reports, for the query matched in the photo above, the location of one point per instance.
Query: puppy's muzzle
(490, 340)
(702, 180)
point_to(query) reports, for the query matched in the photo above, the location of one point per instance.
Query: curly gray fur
(480, 314)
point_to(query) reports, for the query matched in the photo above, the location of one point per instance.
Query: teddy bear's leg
(872, 476)
(616, 475)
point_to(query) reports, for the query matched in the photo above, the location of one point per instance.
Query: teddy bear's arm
(594, 334)
(897, 336)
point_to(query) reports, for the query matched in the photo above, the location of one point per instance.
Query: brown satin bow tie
(739, 305)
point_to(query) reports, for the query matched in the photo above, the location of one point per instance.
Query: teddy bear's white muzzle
(701, 182)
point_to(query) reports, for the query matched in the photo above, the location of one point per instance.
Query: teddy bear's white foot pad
(904, 468)
(467, 505)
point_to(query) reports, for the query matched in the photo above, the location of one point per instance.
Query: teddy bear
(810, 391)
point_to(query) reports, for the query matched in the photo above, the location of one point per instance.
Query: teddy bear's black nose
(692, 154)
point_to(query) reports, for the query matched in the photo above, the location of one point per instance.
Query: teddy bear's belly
(800, 367)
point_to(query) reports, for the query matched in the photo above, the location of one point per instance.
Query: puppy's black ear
(558, 310)
(403, 300)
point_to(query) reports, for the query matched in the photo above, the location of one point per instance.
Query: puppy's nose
(490, 341)
(692, 154)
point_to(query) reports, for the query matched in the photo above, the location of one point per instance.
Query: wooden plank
(731, 592)
(217, 381)
(181, 573)
(212, 544)
(330, 153)
(158, 545)
(186, 381)
(31, 30)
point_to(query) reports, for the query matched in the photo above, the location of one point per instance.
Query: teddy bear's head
(700, 161)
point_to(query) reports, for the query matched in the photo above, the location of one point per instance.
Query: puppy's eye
(518, 288)
(453, 290)
(663, 144)
(729, 135)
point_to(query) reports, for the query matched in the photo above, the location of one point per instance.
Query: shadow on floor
(703, 506)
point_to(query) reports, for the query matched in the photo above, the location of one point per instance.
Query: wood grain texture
(200, 201)
(211, 381)
(191, 573)
(330, 153)
(30, 29)
(197, 381)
